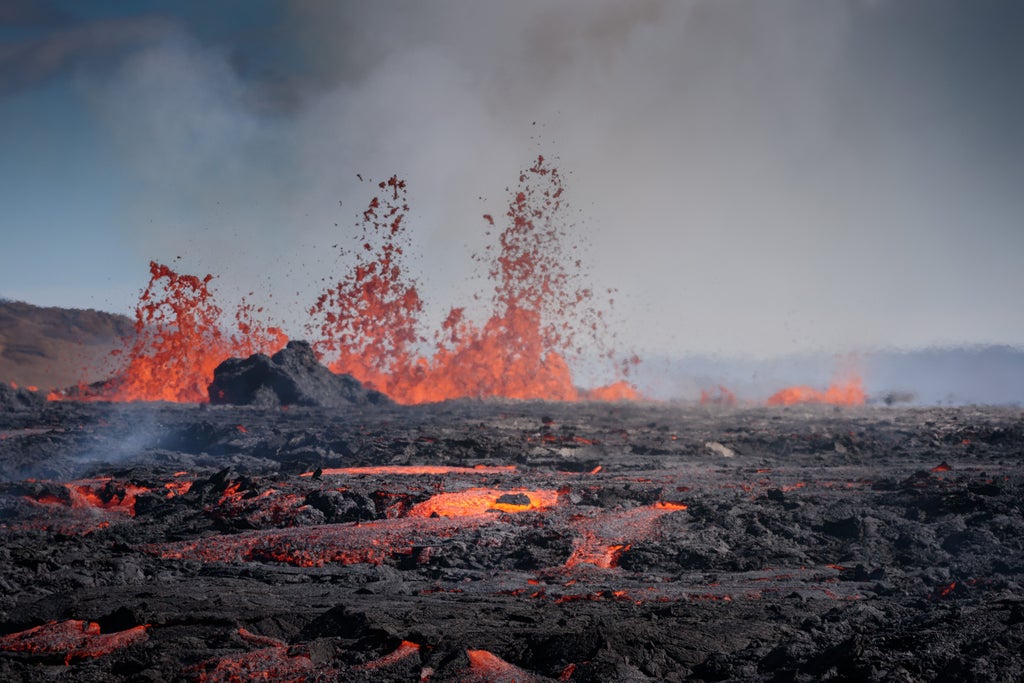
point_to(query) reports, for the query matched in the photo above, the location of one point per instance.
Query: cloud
(36, 60)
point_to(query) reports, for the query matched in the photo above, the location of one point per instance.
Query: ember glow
(370, 543)
(487, 667)
(94, 494)
(71, 639)
(404, 650)
(721, 397)
(603, 539)
(274, 663)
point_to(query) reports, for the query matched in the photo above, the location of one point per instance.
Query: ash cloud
(754, 179)
(34, 61)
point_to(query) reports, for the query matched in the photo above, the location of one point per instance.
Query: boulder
(292, 376)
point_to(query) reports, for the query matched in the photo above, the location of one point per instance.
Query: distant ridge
(57, 347)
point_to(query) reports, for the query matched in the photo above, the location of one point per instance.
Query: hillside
(56, 347)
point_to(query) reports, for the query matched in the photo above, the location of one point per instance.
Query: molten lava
(275, 663)
(603, 538)
(370, 543)
(179, 341)
(72, 639)
(95, 494)
(367, 324)
(481, 501)
(846, 393)
(404, 650)
(486, 667)
(369, 321)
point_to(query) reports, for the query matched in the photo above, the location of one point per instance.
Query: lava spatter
(179, 340)
(367, 324)
(369, 321)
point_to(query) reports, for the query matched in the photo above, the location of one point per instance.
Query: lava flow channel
(274, 663)
(605, 537)
(277, 661)
(473, 502)
(429, 523)
(487, 667)
(94, 494)
(71, 639)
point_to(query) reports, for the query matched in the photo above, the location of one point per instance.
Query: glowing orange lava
(486, 666)
(275, 663)
(603, 539)
(847, 393)
(179, 341)
(100, 494)
(616, 391)
(369, 321)
(71, 638)
(367, 324)
(404, 650)
(481, 501)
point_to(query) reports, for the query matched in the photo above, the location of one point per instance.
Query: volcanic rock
(18, 399)
(442, 542)
(292, 376)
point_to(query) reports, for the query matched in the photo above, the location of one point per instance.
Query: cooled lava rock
(18, 399)
(506, 540)
(292, 376)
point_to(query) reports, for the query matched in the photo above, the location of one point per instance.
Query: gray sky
(755, 178)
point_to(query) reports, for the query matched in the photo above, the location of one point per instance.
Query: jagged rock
(270, 544)
(19, 399)
(292, 376)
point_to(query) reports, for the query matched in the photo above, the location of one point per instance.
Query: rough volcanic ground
(573, 542)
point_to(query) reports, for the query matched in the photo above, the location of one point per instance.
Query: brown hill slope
(57, 347)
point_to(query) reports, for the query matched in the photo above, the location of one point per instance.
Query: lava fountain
(846, 391)
(369, 321)
(179, 340)
(368, 324)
